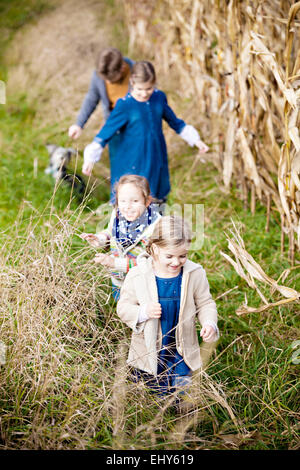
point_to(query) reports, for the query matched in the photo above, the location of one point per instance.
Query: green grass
(24, 158)
(63, 385)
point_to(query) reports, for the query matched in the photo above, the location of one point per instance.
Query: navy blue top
(170, 362)
(139, 144)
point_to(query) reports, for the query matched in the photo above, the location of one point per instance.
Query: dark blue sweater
(139, 144)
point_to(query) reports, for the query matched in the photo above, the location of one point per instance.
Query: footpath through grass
(64, 383)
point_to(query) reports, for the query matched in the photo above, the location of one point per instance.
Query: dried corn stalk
(240, 63)
(250, 270)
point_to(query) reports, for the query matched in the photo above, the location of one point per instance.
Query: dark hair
(109, 64)
(143, 72)
(139, 181)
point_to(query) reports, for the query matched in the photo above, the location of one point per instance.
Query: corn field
(240, 62)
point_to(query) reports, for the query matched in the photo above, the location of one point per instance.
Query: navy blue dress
(139, 146)
(171, 365)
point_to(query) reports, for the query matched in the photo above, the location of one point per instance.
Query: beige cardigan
(139, 288)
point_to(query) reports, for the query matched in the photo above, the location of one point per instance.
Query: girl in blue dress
(139, 143)
(160, 300)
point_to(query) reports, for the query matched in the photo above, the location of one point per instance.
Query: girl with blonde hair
(160, 300)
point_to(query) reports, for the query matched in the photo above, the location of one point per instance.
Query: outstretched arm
(88, 106)
(90, 102)
(93, 151)
(97, 240)
(185, 131)
(170, 117)
(191, 136)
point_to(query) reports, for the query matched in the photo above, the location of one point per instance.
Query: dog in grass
(59, 158)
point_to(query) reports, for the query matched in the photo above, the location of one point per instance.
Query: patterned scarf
(126, 233)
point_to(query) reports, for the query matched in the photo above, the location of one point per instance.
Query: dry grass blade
(245, 309)
(119, 396)
(197, 405)
(249, 269)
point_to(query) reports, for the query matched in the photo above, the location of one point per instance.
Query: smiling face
(142, 91)
(168, 261)
(131, 201)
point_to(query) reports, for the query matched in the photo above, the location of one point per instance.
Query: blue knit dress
(171, 366)
(138, 145)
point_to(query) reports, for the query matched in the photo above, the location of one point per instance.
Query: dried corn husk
(240, 62)
(249, 269)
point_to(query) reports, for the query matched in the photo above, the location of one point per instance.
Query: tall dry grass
(64, 380)
(239, 63)
(54, 380)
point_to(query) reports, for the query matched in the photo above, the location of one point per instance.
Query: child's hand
(105, 260)
(203, 148)
(153, 310)
(87, 168)
(91, 154)
(207, 333)
(91, 238)
(75, 131)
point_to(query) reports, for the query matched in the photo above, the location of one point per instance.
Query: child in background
(139, 143)
(131, 223)
(160, 300)
(109, 82)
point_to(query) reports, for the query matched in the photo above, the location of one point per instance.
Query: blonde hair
(139, 181)
(170, 231)
(143, 72)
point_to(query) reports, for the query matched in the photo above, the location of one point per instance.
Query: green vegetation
(64, 383)
(15, 14)
(23, 160)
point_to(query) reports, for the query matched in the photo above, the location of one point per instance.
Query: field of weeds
(64, 383)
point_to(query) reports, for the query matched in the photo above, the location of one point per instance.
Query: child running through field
(160, 300)
(136, 125)
(131, 223)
